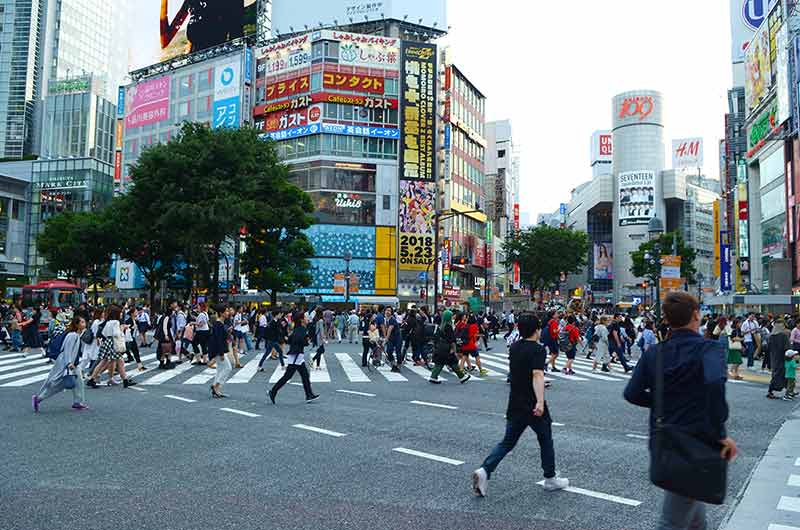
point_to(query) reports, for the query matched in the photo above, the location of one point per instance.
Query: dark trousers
(394, 351)
(261, 334)
(287, 376)
(201, 341)
(318, 357)
(133, 348)
(367, 347)
(270, 347)
(620, 350)
(749, 350)
(514, 429)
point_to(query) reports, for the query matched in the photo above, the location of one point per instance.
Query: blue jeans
(620, 351)
(749, 350)
(514, 429)
(269, 345)
(680, 513)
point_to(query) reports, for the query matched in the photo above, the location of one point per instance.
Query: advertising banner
(166, 29)
(603, 261)
(517, 274)
(278, 121)
(746, 17)
(447, 255)
(355, 82)
(357, 130)
(287, 14)
(121, 102)
(687, 153)
(758, 74)
(418, 158)
(127, 275)
(118, 134)
(725, 280)
(148, 102)
(416, 222)
(118, 167)
(636, 197)
(248, 66)
(367, 51)
(284, 57)
(516, 217)
(763, 126)
(782, 86)
(227, 91)
(288, 87)
(716, 228)
(368, 102)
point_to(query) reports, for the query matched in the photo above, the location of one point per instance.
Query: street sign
(422, 276)
(637, 300)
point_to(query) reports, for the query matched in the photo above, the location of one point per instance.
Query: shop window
(387, 202)
(316, 81)
(185, 86)
(15, 210)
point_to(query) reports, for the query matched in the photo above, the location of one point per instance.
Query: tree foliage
(544, 252)
(79, 244)
(662, 245)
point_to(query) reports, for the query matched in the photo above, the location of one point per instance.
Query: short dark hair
(679, 306)
(528, 324)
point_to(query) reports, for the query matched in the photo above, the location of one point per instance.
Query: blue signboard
(121, 102)
(358, 130)
(725, 282)
(447, 134)
(226, 113)
(563, 209)
(297, 132)
(248, 65)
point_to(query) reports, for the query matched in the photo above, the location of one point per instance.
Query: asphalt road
(141, 460)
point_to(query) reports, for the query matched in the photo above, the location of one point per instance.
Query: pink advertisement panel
(149, 102)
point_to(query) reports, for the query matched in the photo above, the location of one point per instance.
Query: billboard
(603, 261)
(746, 18)
(602, 147)
(288, 87)
(168, 29)
(757, 70)
(687, 153)
(416, 221)
(636, 202)
(367, 51)
(289, 16)
(418, 75)
(147, 102)
(227, 92)
(368, 84)
(284, 57)
(782, 85)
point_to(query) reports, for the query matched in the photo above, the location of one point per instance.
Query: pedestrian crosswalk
(17, 370)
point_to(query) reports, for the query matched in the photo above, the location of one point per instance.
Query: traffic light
(460, 261)
(644, 285)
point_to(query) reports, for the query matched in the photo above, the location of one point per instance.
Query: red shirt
(574, 334)
(553, 329)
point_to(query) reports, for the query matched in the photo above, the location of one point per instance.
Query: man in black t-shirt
(526, 408)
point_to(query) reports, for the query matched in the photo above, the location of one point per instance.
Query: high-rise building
(502, 192)
(20, 74)
(44, 40)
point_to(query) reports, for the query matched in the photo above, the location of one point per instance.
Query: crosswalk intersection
(17, 371)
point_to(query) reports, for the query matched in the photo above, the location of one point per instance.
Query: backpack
(564, 344)
(88, 336)
(159, 334)
(55, 346)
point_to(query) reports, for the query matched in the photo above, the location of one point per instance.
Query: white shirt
(240, 323)
(201, 324)
(750, 326)
(601, 332)
(262, 321)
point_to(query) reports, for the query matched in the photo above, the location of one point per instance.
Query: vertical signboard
(117, 167)
(716, 229)
(121, 102)
(447, 256)
(418, 77)
(517, 282)
(782, 86)
(725, 282)
(227, 91)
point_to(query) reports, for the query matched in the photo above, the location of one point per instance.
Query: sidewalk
(772, 498)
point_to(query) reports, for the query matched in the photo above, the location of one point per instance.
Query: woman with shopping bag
(65, 373)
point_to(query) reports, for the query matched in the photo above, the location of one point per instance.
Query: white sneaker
(464, 379)
(555, 484)
(480, 480)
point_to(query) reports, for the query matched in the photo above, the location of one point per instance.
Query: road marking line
(428, 456)
(797, 462)
(245, 374)
(178, 398)
(789, 504)
(422, 372)
(437, 405)
(294, 383)
(390, 376)
(20, 358)
(794, 480)
(203, 377)
(277, 374)
(318, 430)
(137, 389)
(555, 424)
(241, 413)
(354, 373)
(366, 394)
(166, 375)
(20, 365)
(45, 368)
(782, 527)
(7, 355)
(598, 495)
(638, 436)
(321, 375)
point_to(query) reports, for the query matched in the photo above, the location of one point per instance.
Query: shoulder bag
(682, 462)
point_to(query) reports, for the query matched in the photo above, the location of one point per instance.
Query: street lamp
(347, 257)
(654, 230)
(699, 277)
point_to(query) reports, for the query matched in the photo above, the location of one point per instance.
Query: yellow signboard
(416, 252)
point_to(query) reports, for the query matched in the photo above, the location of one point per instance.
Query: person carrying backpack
(568, 344)
(444, 351)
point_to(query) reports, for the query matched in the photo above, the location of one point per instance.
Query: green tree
(662, 245)
(80, 244)
(544, 252)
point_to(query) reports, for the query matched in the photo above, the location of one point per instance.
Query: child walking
(792, 357)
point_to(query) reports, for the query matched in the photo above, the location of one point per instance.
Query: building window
(387, 202)
(15, 210)
(501, 153)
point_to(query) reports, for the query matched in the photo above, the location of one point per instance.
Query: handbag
(69, 380)
(683, 462)
(735, 345)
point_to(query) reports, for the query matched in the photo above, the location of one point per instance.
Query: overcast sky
(553, 69)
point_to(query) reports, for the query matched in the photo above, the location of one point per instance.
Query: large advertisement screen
(166, 29)
(758, 72)
(637, 202)
(416, 213)
(746, 17)
(289, 16)
(418, 118)
(603, 261)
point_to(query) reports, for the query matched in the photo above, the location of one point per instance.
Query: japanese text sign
(418, 117)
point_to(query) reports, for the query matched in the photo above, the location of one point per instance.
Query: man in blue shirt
(694, 394)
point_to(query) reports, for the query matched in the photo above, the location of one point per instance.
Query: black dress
(30, 333)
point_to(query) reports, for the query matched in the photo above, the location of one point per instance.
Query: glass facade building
(65, 185)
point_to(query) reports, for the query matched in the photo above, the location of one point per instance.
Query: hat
(790, 353)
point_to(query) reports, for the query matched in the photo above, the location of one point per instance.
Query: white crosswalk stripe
(18, 371)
